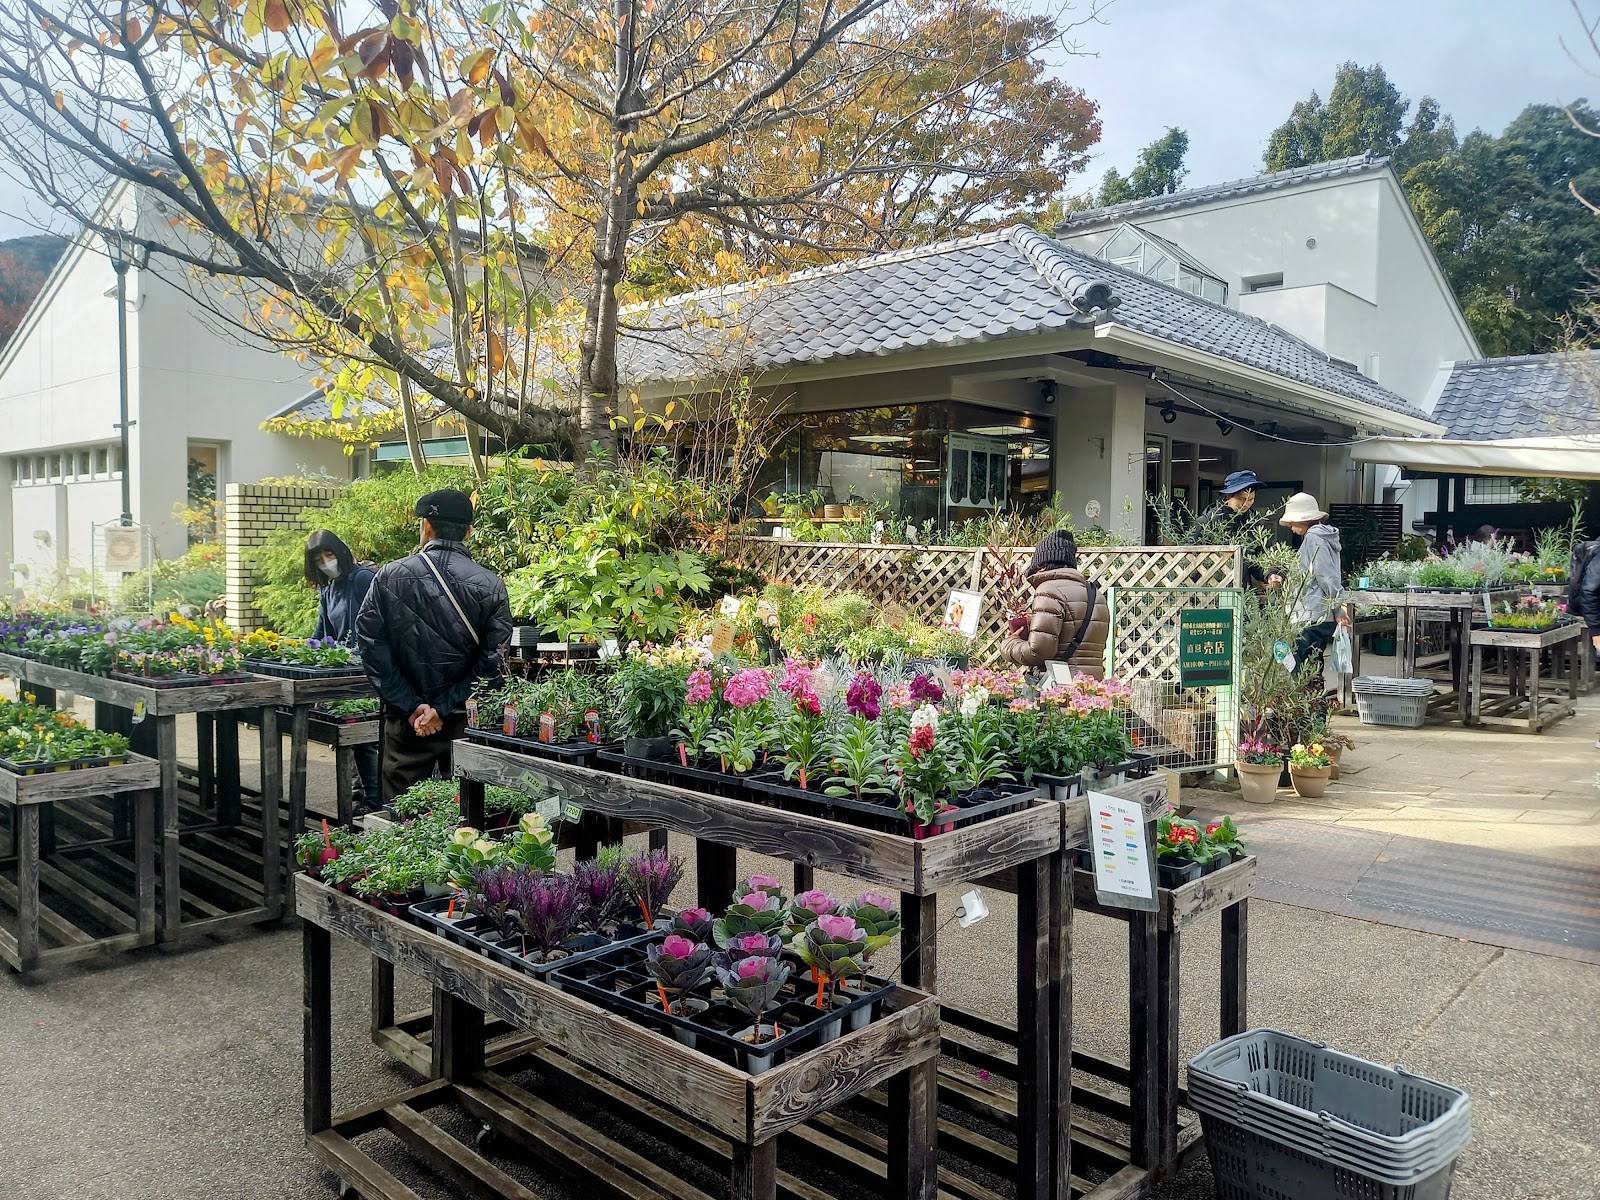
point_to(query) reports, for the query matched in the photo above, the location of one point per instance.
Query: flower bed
(269, 653)
(1529, 614)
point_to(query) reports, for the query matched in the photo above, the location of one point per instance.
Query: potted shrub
(647, 693)
(1310, 769)
(1259, 763)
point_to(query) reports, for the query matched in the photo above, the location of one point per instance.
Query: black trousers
(408, 759)
(1313, 639)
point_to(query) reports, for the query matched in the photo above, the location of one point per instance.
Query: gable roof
(1004, 284)
(1529, 396)
(1130, 210)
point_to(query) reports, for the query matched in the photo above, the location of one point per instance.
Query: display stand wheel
(485, 1139)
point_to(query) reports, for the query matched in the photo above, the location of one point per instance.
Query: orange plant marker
(666, 1006)
(819, 988)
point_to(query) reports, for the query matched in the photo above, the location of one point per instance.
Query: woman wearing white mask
(342, 584)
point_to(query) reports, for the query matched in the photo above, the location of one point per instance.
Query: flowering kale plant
(601, 889)
(678, 964)
(551, 907)
(754, 912)
(807, 907)
(878, 916)
(752, 985)
(649, 878)
(533, 845)
(692, 923)
(751, 945)
(770, 884)
(467, 853)
(834, 947)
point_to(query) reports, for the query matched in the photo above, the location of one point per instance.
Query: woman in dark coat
(342, 585)
(1068, 619)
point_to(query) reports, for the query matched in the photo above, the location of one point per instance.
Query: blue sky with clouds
(1227, 71)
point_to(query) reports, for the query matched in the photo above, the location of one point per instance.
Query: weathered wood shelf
(64, 894)
(300, 696)
(178, 849)
(1523, 708)
(748, 1112)
(1458, 608)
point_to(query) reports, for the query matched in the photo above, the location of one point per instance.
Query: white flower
(926, 715)
(974, 699)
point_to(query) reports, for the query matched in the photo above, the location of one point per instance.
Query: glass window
(102, 461)
(1122, 244)
(83, 462)
(116, 460)
(38, 468)
(1492, 489)
(19, 470)
(55, 466)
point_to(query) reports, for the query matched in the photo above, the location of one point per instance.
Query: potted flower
(679, 965)
(1259, 763)
(807, 907)
(927, 782)
(803, 729)
(755, 911)
(1181, 852)
(1310, 769)
(743, 734)
(751, 985)
(648, 879)
(834, 947)
(700, 699)
(533, 845)
(693, 923)
(857, 754)
(647, 691)
(1333, 744)
(600, 885)
(551, 907)
(1226, 845)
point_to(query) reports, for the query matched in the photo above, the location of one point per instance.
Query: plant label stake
(547, 727)
(509, 725)
(972, 909)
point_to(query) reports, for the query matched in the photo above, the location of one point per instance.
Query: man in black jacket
(1583, 593)
(1229, 523)
(431, 625)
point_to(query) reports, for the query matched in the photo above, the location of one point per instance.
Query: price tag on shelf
(571, 811)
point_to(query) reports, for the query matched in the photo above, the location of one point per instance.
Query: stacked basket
(1385, 701)
(1288, 1117)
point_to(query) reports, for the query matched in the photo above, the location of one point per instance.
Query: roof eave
(1268, 384)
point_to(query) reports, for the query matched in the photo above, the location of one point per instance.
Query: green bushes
(194, 579)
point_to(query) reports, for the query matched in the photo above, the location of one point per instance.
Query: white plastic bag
(1344, 659)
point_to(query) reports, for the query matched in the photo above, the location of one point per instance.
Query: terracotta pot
(1258, 784)
(1310, 782)
(832, 512)
(1334, 753)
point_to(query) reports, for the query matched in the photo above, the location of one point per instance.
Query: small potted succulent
(751, 985)
(1310, 768)
(1259, 763)
(679, 964)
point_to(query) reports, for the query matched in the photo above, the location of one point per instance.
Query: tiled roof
(1534, 395)
(1129, 210)
(1004, 284)
(315, 406)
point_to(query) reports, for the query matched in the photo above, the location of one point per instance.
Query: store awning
(1556, 457)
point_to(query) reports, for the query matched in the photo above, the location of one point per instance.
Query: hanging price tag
(591, 722)
(472, 714)
(138, 711)
(571, 811)
(549, 809)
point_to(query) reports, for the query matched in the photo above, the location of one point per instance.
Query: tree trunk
(413, 427)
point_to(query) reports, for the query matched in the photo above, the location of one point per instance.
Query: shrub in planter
(1310, 769)
(1259, 764)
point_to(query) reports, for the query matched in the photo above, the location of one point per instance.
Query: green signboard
(1205, 647)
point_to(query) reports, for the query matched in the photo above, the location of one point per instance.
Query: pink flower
(863, 697)
(796, 677)
(900, 695)
(765, 883)
(760, 901)
(677, 946)
(754, 943)
(876, 900)
(701, 687)
(925, 689)
(748, 688)
(921, 740)
(693, 916)
(839, 929)
(751, 968)
(1023, 704)
(817, 901)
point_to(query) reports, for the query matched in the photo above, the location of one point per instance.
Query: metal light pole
(124, 252)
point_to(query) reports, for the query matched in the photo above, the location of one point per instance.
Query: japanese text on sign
(1205, 647)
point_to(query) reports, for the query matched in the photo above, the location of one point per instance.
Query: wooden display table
(1522, 708)
(1458, 607)
(655, 1084)
(1029, 842)
(237, 876)
(111, 883)
(301, 695)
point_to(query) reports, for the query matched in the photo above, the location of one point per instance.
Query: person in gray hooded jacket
(1317, 608)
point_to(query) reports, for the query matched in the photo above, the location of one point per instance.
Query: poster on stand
(961, 612)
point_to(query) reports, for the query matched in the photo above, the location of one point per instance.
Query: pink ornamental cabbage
(752, 968)
(765, 883)
(817, 901)
(694, 915)
(759, 901)
(752, 943)
(877, 900)
(840, 929)
(676, 946)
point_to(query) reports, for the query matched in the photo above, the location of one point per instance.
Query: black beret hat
(447, 504)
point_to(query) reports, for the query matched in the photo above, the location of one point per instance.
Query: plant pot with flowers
(1225, 843)
(1182, 852)
(927, 778)
(751, 985)
(679, 965)
(835, 949)
(1310, 768)
(741, 736)
(1333, 744)
(1259, 763)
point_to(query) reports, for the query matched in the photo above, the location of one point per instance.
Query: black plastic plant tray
(578, 752)
(328, 718)
(474, 933)
(164, 682)
(672, 771)
(886, 817)
(619, 979)
(283, 670)
(69, 764)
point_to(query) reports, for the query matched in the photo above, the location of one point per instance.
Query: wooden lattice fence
(919, 578)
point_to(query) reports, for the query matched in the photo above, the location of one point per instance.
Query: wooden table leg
(1533, 689)
(206, 740)
(805, 878)
(716, 874)
(919, 925)
(457, 1037)
(657, 839)
(1035, 1071)
(1462, 622)
(1476, 709)
(1169, 949)
(299, 743)
(382, 995)
(1143, 1043)
(472, 802)
(272, 868)
(586, 844)
(317, 1025)
(27, 887)
(1061, 1017)
(754, 1170)
(171, 912)
(1572, 657)
(228, 781)
(344, 786)
(144, 864)
(913, 1142)
(1235, 968)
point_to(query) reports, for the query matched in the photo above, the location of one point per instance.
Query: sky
(1228, 71)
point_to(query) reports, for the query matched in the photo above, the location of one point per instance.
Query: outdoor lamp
(125, 251)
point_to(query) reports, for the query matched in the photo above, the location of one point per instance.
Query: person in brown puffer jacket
(1061, 609)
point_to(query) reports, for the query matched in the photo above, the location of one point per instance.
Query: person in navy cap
(1229, 523)
(431, 625)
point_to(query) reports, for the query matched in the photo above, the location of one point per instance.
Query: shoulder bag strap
(448, 591)
(1065, 653)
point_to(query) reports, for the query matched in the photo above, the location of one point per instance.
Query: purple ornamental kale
(649, 878)
(601, 888)
(551, 906)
